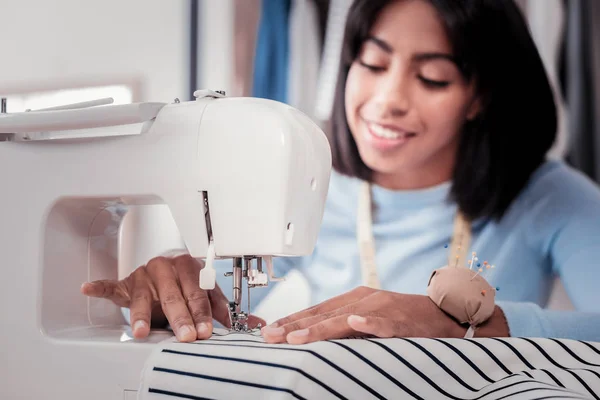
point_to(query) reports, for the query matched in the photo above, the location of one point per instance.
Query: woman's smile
(386, 137)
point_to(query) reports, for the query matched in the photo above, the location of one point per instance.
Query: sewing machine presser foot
(239, 321)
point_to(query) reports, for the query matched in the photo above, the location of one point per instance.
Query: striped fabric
(238, 366)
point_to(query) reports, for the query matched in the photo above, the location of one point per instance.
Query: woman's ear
(474, 108)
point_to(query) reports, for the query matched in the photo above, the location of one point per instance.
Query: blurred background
(65, 51)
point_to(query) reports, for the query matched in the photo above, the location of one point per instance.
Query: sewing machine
(244, 179)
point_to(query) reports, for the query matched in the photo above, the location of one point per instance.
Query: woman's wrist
(495, 326)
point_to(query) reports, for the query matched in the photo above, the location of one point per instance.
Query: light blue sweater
(552, 228)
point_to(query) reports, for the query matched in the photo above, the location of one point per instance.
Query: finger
(112, 290)
(254, 322)
(278, 334)
(198, 302)
(141, 303)
(377, 326)
(327, 306)
(333, 328)
(163, 277)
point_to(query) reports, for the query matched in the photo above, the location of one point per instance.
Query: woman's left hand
(370, 312)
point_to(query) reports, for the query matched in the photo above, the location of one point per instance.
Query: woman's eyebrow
(429, 56)
(419, 57)
(382, 44)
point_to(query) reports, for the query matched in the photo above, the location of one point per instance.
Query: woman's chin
(385, 167)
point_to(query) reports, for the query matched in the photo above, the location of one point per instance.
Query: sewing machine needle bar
(237, 283)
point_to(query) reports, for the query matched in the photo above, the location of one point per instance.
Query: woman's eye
(370, 67)
(433, 83)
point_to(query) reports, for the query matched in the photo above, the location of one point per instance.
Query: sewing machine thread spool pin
(3, 105)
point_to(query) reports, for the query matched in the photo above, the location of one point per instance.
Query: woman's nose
(393, 96)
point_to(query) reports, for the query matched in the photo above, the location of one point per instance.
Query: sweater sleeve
(572, 243)
(530, 320)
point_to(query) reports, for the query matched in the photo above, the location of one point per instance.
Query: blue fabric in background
(272, 51)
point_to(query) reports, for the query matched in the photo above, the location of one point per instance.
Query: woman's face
(406, 101)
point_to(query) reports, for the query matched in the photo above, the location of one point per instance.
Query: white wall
(62, 43)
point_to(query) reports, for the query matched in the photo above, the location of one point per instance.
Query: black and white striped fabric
(242, 366)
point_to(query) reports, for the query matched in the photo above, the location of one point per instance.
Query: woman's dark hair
(497, 151)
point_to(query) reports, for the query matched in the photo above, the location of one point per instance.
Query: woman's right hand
(167, 290)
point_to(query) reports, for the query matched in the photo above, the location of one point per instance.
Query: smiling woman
(426, 90)
(407, 100)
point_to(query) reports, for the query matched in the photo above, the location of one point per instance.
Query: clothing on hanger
(271, 63)
(546, 20)
(246, 18)
(594, 46)
(332, 48)
(322, 7)
(523, 6)
(304, 55)
(582, 86)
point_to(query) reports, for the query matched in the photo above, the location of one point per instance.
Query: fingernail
(139, 325)
(273, 331)
(185, 332)
(202, 328)
(269, 326)
(357, 318)
(301, 332)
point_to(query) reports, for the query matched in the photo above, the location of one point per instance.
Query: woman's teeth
(386, 133)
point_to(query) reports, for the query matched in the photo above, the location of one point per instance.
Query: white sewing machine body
(69, 177)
